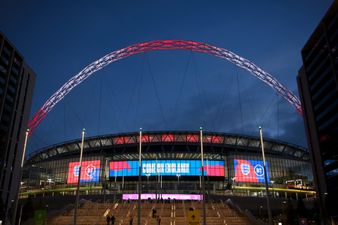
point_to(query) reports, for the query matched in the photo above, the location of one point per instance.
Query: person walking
(158, 220)
(108, 220)
(112, 219)
(154, 213)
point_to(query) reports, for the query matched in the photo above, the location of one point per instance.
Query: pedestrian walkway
(170, 213)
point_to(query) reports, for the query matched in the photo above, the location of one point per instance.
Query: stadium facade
(171, 164)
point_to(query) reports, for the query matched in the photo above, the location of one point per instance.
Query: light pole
(157, 194)
(139, 178)
(203, 180)
(20, 177)
(265, 178)
(178, 180)
(79, 178)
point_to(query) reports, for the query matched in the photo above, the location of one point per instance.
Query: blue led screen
(166, 168)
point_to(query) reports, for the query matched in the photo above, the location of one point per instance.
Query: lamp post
(79, 178)
(157, 194)
(139, 178)
(20, 177)
(203, 180)
(265, 178)
(178, 180)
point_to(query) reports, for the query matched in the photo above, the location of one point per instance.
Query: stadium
(171, 178)
(171, 164)
(176, 167)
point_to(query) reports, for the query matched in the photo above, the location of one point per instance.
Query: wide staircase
(171, 213)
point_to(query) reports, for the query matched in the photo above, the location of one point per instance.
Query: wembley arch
(157, 46)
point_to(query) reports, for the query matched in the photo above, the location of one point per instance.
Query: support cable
(138, 94)
(68, 124)
(267, 108)
(239, 100)
(219, 116)
(203, 103)
(64, 120)
(156, 91)
(100, 104)
(202, 92)
(278, 116)
(183, 81)
(69, 106)
(116, 106)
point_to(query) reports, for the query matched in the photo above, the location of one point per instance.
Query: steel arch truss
(162, 45)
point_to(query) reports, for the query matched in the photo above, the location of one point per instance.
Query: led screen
(166, 168)
(163, 196)
(250, 171)
(90, 171)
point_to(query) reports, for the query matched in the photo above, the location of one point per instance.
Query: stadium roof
(229, 141)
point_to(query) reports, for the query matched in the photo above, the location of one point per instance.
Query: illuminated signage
(90, 172)
(166, 168)
(163, 196)
(250, 171)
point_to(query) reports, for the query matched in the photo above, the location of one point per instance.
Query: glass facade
(117, 172)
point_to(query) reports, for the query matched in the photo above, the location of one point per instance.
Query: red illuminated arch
(162, 45)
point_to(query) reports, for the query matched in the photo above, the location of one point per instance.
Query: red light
(216, 139)
(118, 140)
(145, 138)
(167, 137)
(192, 138)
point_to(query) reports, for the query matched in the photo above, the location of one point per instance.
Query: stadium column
(79, 178)
(203, 180)
(139, 178)
(265, 177)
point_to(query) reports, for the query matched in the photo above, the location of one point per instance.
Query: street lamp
(203, 180)
(79, 178)
(265, 177)
(20, 177)
(178, 180)
(139, 178)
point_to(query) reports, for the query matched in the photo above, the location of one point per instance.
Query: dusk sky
(166, 90)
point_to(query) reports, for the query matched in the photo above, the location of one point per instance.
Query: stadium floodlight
(265, 177)
(79, 177)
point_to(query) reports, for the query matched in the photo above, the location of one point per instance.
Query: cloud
(220, 112)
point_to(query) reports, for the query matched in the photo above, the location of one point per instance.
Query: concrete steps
(91, 213)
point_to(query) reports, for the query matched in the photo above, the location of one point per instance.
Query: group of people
(110, 220)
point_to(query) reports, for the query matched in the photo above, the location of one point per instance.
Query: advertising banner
(192, 197)
(90, 171)
(250, 171)
(166, 168)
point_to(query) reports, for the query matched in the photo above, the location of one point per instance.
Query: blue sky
(168, 90)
